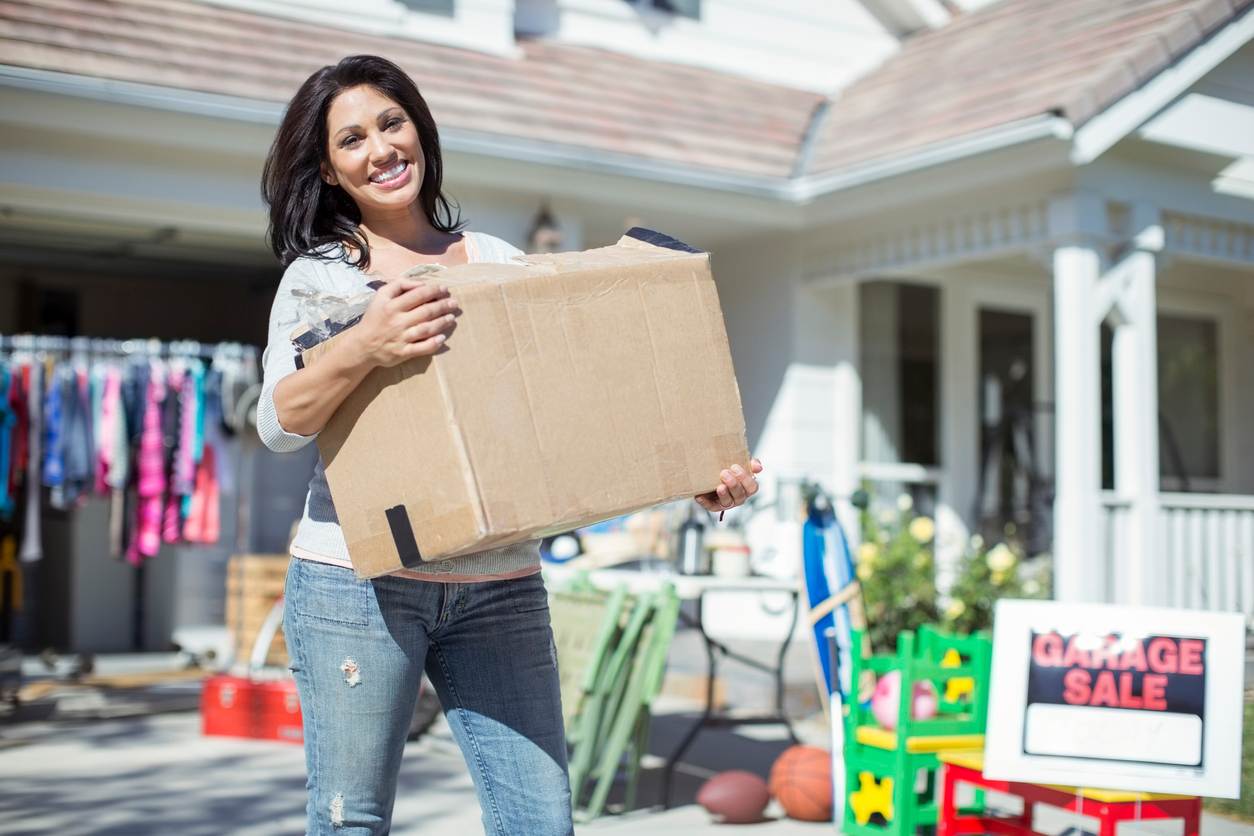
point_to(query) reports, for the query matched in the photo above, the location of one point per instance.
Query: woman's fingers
(426, 330)
(430, 311)
(419, 293)
(732, 486)
(708, 502)
(424, 347)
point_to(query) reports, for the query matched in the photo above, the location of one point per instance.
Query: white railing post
(1079, 568)
(1134, 361)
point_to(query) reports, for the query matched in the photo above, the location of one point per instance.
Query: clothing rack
(132, 347)
(82, 347)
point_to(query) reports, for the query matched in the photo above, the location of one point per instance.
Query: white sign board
(1116, 697)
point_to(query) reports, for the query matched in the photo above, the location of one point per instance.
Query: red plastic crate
(236, 706)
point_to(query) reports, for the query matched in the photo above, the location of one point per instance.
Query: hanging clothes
(32, 546)
(19, 381)
(151, 474)
(76, 436)
(10, 576)
(8, 422)
(54, 449)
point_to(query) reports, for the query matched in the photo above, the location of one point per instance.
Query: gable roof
(1005, 63)
(578, 96)
(1012, 61)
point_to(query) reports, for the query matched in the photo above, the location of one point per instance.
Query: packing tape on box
(403, 536)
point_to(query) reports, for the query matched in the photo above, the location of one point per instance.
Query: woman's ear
(328, 175)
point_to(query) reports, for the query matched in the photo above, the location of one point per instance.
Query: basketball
(735, 797)
(801, 781)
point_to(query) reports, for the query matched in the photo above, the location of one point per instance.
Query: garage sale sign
(1116, 697)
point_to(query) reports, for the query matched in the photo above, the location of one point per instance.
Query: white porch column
(960, 429)
(848, 403)
(1079, 565)
(1135, 367)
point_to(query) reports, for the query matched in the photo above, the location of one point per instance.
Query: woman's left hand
(738, 485)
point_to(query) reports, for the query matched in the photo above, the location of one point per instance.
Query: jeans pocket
(527, 594)
(328, 593)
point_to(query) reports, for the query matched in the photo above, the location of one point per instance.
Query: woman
(353, 182)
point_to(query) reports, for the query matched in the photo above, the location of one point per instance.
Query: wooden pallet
(254, 582)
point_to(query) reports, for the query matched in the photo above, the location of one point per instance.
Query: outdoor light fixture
(545, 235)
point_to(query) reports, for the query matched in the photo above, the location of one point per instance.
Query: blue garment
(358, 650)
(78, 456)
(54, 451)
(7, 419)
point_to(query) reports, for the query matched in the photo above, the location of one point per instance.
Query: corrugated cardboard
(576, 387)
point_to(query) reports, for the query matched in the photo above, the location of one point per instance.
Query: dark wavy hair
(306, 213)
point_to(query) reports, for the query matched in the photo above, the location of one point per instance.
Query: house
(996, 255)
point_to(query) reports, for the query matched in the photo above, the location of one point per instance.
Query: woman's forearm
(305, 400)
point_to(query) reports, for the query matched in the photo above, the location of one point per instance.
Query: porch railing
(1204, 556)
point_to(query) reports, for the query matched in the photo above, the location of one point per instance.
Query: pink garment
(184, 478)
(150, 485)
(204, 519)
(110, 405)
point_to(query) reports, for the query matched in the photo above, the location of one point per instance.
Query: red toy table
(1109, 807)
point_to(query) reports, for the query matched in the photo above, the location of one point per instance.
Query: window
(1188, 398)
(1188, 402)
(900, 361)
(434, 7)
(680, 8)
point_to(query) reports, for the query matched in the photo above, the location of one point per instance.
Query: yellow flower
(1000, 558)
(999, 577)
(955, 609)
(865, 571)
(922, 529)
(867, 552)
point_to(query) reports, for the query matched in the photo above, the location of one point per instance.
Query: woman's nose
(380, 149)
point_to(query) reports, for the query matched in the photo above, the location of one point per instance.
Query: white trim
(1119, 120)
(798, 191)
(915, 474)
(152, 96)
(1207, 501)
(1036, 128)
(947, 241)
(1211, 240)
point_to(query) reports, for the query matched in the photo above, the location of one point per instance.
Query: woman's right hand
(408, 318)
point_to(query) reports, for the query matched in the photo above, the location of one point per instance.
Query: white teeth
(391, 174)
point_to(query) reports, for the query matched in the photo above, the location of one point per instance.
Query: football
(735, 797)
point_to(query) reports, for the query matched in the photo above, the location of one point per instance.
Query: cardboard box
(576, 387)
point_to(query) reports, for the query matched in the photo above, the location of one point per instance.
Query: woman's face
(373, 150)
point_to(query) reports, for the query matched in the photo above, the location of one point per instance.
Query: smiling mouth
(390, 175)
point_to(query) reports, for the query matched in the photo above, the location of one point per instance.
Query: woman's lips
(396, 182)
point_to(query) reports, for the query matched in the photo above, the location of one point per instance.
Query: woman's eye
(393, 123)
(349, 142)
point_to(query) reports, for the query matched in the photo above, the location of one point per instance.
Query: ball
(887, 697)
(735, 797)
(801, 781)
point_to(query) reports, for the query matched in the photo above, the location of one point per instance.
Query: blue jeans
(358, 650)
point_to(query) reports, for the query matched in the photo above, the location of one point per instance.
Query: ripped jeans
(358, 650)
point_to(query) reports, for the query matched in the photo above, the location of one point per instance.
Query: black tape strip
(403, 536)
(657, 239)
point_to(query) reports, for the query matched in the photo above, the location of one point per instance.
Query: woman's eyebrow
(347, 128)
(391, 111)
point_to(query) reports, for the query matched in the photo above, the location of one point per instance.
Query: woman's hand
(408, 318)
(736, 489)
